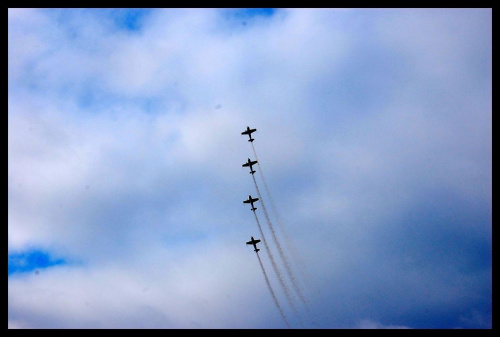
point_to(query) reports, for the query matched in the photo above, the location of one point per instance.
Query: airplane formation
(251, 200)
(249, 163)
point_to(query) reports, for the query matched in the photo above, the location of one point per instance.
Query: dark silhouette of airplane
(254, 243)
(251, 200)
(248, 132)
(250, 163)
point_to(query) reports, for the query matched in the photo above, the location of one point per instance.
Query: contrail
(275, 267)
(280, 250)
(272, 292)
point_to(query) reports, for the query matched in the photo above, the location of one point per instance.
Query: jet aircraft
(248, 132)
(254, 243)
(251, 200)
(250, 163)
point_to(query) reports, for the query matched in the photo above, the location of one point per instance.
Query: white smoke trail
(278, 245)
(288, 242)
(285, 288)
(272, 292)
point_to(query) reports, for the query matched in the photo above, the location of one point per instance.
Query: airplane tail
(254, 208)
(252, 172)
(251, 140)
(257, 249)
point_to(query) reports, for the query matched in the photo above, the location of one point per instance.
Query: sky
(374, 176)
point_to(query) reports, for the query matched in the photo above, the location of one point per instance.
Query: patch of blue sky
(31, 260)
(248, 13)
(129, 18)
(239, 19)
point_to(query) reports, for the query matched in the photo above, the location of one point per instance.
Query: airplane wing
(248, 131)
(257, 241)
(246, 164)
(246, 201)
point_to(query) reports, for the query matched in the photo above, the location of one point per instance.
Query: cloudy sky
(126, 185)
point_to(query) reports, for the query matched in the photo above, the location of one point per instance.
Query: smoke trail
(288, 242)
(275, 267)
(272, 292)
(280, 250)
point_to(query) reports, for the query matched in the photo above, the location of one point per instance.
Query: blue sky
(125, 184)
(30, 261)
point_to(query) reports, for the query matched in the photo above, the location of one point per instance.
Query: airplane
(250, 163)
(248, 132)
(254, 243)
(251, 200)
